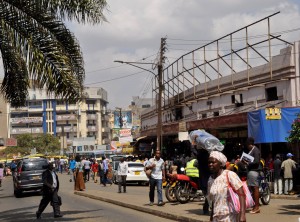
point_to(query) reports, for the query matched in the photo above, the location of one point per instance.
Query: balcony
(33, 130)
(25, 120)
(92, 116)
(92, 128)
(19, 109)
(106, 141)
(105, 129)
(67, 129)
(66, 117)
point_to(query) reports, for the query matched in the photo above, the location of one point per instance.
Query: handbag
(148, 172)
(249, 200)
(233, 199)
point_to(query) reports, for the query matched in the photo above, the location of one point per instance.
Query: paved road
(75, 208)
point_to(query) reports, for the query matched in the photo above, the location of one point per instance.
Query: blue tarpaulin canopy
(271, 125)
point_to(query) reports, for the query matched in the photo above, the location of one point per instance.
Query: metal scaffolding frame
(199, 66)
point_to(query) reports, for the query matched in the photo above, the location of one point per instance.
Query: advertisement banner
(124, 121)
(125, 132)
(27, 120)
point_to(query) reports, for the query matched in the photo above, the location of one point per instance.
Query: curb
(139, 208)
(285, 197)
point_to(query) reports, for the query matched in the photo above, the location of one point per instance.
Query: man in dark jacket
(50, 189)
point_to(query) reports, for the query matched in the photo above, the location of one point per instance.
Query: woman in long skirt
(78, 174)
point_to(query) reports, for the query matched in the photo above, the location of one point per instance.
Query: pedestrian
(156, 164)
(95, 167)
(79, 182)
(72, 164)
(253, 173)
(277, 175)
(101, 172)
(288, 166)
(87, 169)
(218, 190)
(61, 165)
(1, 173)
(105, 171)
(122, 174)
(50, 192)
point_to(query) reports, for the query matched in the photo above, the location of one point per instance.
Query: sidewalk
(137, 198)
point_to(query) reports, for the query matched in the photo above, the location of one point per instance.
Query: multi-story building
(222, 105)
(46, 114)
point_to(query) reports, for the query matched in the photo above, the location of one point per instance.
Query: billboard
(125, 120)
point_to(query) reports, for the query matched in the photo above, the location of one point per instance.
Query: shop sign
(273, 113)
(182, 126)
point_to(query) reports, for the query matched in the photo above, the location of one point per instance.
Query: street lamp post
(160, 88)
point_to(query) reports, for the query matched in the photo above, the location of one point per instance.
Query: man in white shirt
(87, 168)
(156, 178)
(122, 174)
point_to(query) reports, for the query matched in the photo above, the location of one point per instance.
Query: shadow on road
(21, 214)
(290, 209)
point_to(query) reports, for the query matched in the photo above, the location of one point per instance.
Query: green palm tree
(39, 51)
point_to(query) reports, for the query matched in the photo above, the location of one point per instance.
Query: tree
(46, 143)
(39, 51)
(294, 136)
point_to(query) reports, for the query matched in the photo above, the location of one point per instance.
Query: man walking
(87, 169)
(122, 174)
(277, 176)
(288, 166)
(156, 178)
(50, 189)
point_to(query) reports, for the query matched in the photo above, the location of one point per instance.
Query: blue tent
(268, 127)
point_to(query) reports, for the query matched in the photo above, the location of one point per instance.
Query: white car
(135, 173)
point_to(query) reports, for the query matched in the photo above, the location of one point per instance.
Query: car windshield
(135, 165)
(34, 165)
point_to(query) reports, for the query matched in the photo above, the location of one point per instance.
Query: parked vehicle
(29, 175)
(135, 174)
(187, 190)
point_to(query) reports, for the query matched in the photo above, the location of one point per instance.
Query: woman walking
(218, 190)
(78, 174)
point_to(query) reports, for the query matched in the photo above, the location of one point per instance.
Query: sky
(135, 28)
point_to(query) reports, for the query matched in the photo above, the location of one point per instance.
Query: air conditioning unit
(209, 103)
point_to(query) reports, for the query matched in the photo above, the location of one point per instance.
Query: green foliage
(294, 136)
(38, 50)
(44, 143)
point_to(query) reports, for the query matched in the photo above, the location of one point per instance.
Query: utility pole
(160, 89)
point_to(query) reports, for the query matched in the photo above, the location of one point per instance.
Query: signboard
(27, 120)
(183, 136)
(125, 132)
(273, 113)
(182, 126)
(11, 142)
(125, 119)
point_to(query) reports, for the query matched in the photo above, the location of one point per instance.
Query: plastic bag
(204, 140)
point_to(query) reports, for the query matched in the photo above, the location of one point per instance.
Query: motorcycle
(171, 186)
(187, 190)
(264, 188)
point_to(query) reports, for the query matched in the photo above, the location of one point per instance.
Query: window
(271, 94)
(146, 106)
(216, 113)
(204, 115)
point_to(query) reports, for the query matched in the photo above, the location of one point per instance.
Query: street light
(160, 87)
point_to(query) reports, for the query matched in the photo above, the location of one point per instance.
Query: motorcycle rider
(192, 171)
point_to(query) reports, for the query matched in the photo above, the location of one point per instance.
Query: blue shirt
(72, 164)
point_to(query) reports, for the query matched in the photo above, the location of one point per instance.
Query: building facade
(221, 107)
(45, 114)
